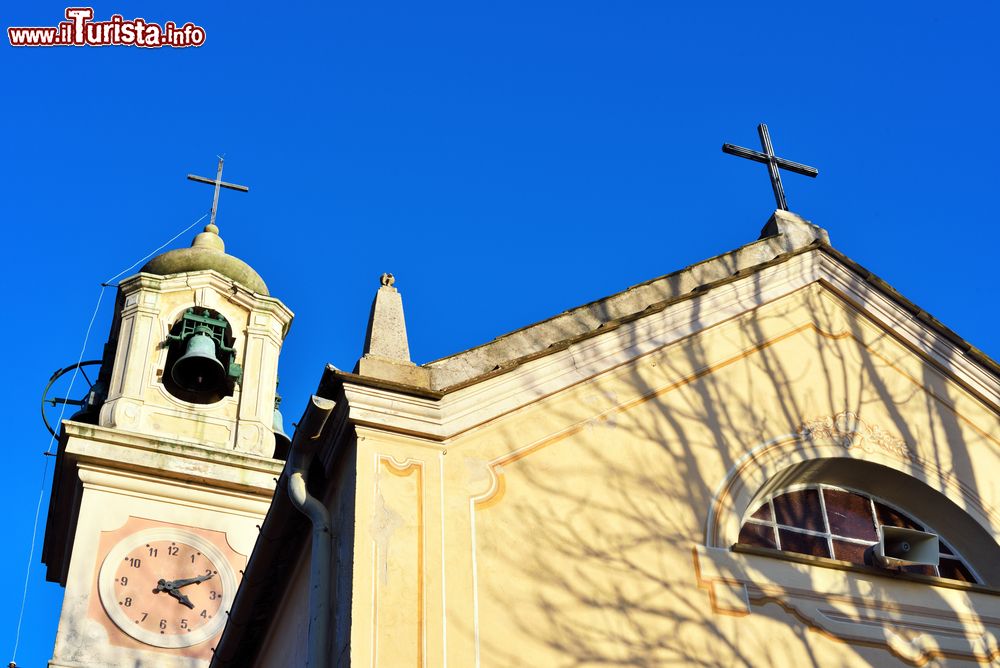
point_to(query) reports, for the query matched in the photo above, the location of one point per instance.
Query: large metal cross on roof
(218, 183)
(773, 162)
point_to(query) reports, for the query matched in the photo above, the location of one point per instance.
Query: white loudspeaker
(904, 547)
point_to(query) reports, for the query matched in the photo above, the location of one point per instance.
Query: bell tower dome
(160, 483)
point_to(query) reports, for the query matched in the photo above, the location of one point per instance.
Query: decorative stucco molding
(850, 431)
(916, 621)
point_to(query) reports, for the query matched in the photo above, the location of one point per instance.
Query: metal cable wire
(166, 243)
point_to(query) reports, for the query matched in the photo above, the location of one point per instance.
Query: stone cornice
(470, 365)
(176, 460)
(213, 279)
(911, 325)
(157, 488)
(386, 408)
(424, 414)
(608, 347)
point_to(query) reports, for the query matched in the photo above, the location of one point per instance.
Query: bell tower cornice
(200, 281)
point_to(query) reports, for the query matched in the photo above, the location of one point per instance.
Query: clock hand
(177, 584)
(167, 585)
(181, 598)
(171, 588)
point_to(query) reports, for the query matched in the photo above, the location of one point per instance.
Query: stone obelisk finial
(386, 352)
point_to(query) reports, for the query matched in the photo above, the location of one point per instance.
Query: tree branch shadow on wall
(596, 533)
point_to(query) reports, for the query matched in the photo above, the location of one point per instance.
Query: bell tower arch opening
(201, 365)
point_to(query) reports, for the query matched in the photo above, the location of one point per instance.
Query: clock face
(167, 587)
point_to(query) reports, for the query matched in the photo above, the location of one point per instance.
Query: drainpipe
(305, 444)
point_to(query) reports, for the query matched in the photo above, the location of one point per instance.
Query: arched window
(838, 523)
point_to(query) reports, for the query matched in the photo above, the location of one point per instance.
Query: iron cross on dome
(773, 162)
(218, 183)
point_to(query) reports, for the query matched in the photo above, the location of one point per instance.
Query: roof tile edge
(783, 233)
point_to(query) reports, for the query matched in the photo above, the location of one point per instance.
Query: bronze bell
(199, 370)
(282, 442)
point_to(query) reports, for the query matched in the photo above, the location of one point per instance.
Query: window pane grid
(795, 527)
(826, 523)
(777, 539)
(820, 534)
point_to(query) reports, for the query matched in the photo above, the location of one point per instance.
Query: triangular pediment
(630, 450)
(829, 288)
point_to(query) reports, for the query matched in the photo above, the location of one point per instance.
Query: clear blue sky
(505, 160)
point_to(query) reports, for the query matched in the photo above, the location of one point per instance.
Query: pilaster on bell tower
(163, 477)
(189, 311)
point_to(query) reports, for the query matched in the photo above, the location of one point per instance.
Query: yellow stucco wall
(565, 532)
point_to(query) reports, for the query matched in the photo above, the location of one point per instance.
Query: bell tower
(196, 350)
(162, 479)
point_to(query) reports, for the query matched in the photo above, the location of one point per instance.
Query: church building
(768, 458)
